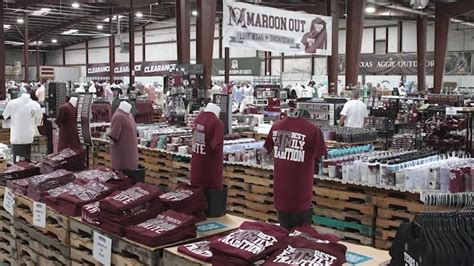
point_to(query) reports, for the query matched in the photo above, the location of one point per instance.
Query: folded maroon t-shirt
(128, 199)
(198, 250)
(301, 251)
(251, 241)
(310, 233)
(91, 213)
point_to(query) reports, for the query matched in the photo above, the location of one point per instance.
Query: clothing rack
(458, 200)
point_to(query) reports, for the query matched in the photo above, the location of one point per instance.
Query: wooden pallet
(57, 224)
(5, 217)
(243, 186)
(81, 253)
(252, 197)
(46, 240)
(365, 209)
(252, 214)
(383, 244)
(394, 215)
(385, 235)
(176, 259)
(54, 257)
(396, 204)
(344, 226)
(348, 196)
(347, 216)
(346, 236)
(8, 259)
(263, 208)
(7, 243)
(121, 246)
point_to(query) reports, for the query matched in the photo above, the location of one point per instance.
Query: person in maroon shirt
(316, 38)
(66, 120)
(208, 149)
(296, 145)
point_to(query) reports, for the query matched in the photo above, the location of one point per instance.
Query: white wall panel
(409, 37)
(77, 46)
(297, 65)
(276, 67)
(75, 57)
(54, 58)
(342, 42)
(235, 52)
(98, 55)
(320, 66)
(392, 40)
(367, 46)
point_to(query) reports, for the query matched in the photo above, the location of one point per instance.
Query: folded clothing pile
(199, 250)
(18, 186)
(67, 159)
(116, 180)
(18, 171)
(187, 199)
(168, 227)
(304, 246)
(70, 198)
(91, 213)
(128, 207)
(251, 242)
(39, 184)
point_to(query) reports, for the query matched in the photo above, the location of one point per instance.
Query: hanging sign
(223, 101)
(83, 118)
(264, 28)
(247, 66)
(457, 63)
(143, 69)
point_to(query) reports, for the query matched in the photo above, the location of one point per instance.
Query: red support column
(144, 43)
(332, 61)
(205, 36)
(3, 92)
(441, 45)
(87, 52)
(111, 48)
(37, 62)
(131, 52)
(421, 25)
(183, 28)
(269, 63)
(226, 66)
(26, 58)
(355, 23)
(64, 55)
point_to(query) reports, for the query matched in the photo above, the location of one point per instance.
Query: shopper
(354, 112)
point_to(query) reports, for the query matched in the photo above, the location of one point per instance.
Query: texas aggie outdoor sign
(264, 28)
(156, 68)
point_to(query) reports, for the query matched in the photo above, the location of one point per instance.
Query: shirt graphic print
(289, 145)
(199, 139)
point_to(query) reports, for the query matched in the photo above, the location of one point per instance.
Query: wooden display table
(356, 255)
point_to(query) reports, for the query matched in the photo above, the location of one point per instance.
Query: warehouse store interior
(236, 132)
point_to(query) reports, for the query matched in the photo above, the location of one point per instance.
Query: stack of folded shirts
(18, 186)
(187, 199)
(132, 206)
(303, 247)
(37, 185)
(91, 213)
(251, 242)
(168, 227)
(67, 159)
(118, 181)
(76, 195)
(199, 250)
(18, 171)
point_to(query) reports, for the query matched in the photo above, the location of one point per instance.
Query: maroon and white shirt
(296, 145)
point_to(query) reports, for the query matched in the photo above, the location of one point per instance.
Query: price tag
(102, 248)
(451, 110)
(39, 214)
(9, 201)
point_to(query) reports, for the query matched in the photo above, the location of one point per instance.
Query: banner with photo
(257, 27)
(457, 63)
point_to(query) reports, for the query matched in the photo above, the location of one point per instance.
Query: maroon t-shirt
(251, 241)
(207, 152)
(68, 135)
(124, 149)
(128, 199)
(296, 144)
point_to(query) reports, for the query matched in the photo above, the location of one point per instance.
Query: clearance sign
(156, 68)
(256, 27)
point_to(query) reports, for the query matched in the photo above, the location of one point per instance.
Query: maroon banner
(84, 104)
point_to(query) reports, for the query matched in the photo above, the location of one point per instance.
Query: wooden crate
(345, 226)
(57, 224)
(125, 251)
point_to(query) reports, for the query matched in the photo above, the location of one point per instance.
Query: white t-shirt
(355, 111)
(25, 115)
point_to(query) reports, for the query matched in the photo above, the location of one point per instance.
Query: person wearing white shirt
(354, 112)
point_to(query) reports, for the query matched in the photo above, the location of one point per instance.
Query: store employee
(354, 112)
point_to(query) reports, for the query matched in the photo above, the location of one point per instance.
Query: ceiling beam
(92, 17)
(459, 8)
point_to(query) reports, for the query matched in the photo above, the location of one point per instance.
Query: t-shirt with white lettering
(25, 116)
(355, 111)
(296, 144)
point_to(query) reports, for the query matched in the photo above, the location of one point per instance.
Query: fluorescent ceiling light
(41, 12)
(20, 20)
(113, 18)
(75, 5)
(139, 14)
(39, 42)
(194, 13)
(69, 32)
(54, 41)
(100, 27)
(6, 26)
(370, 10)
